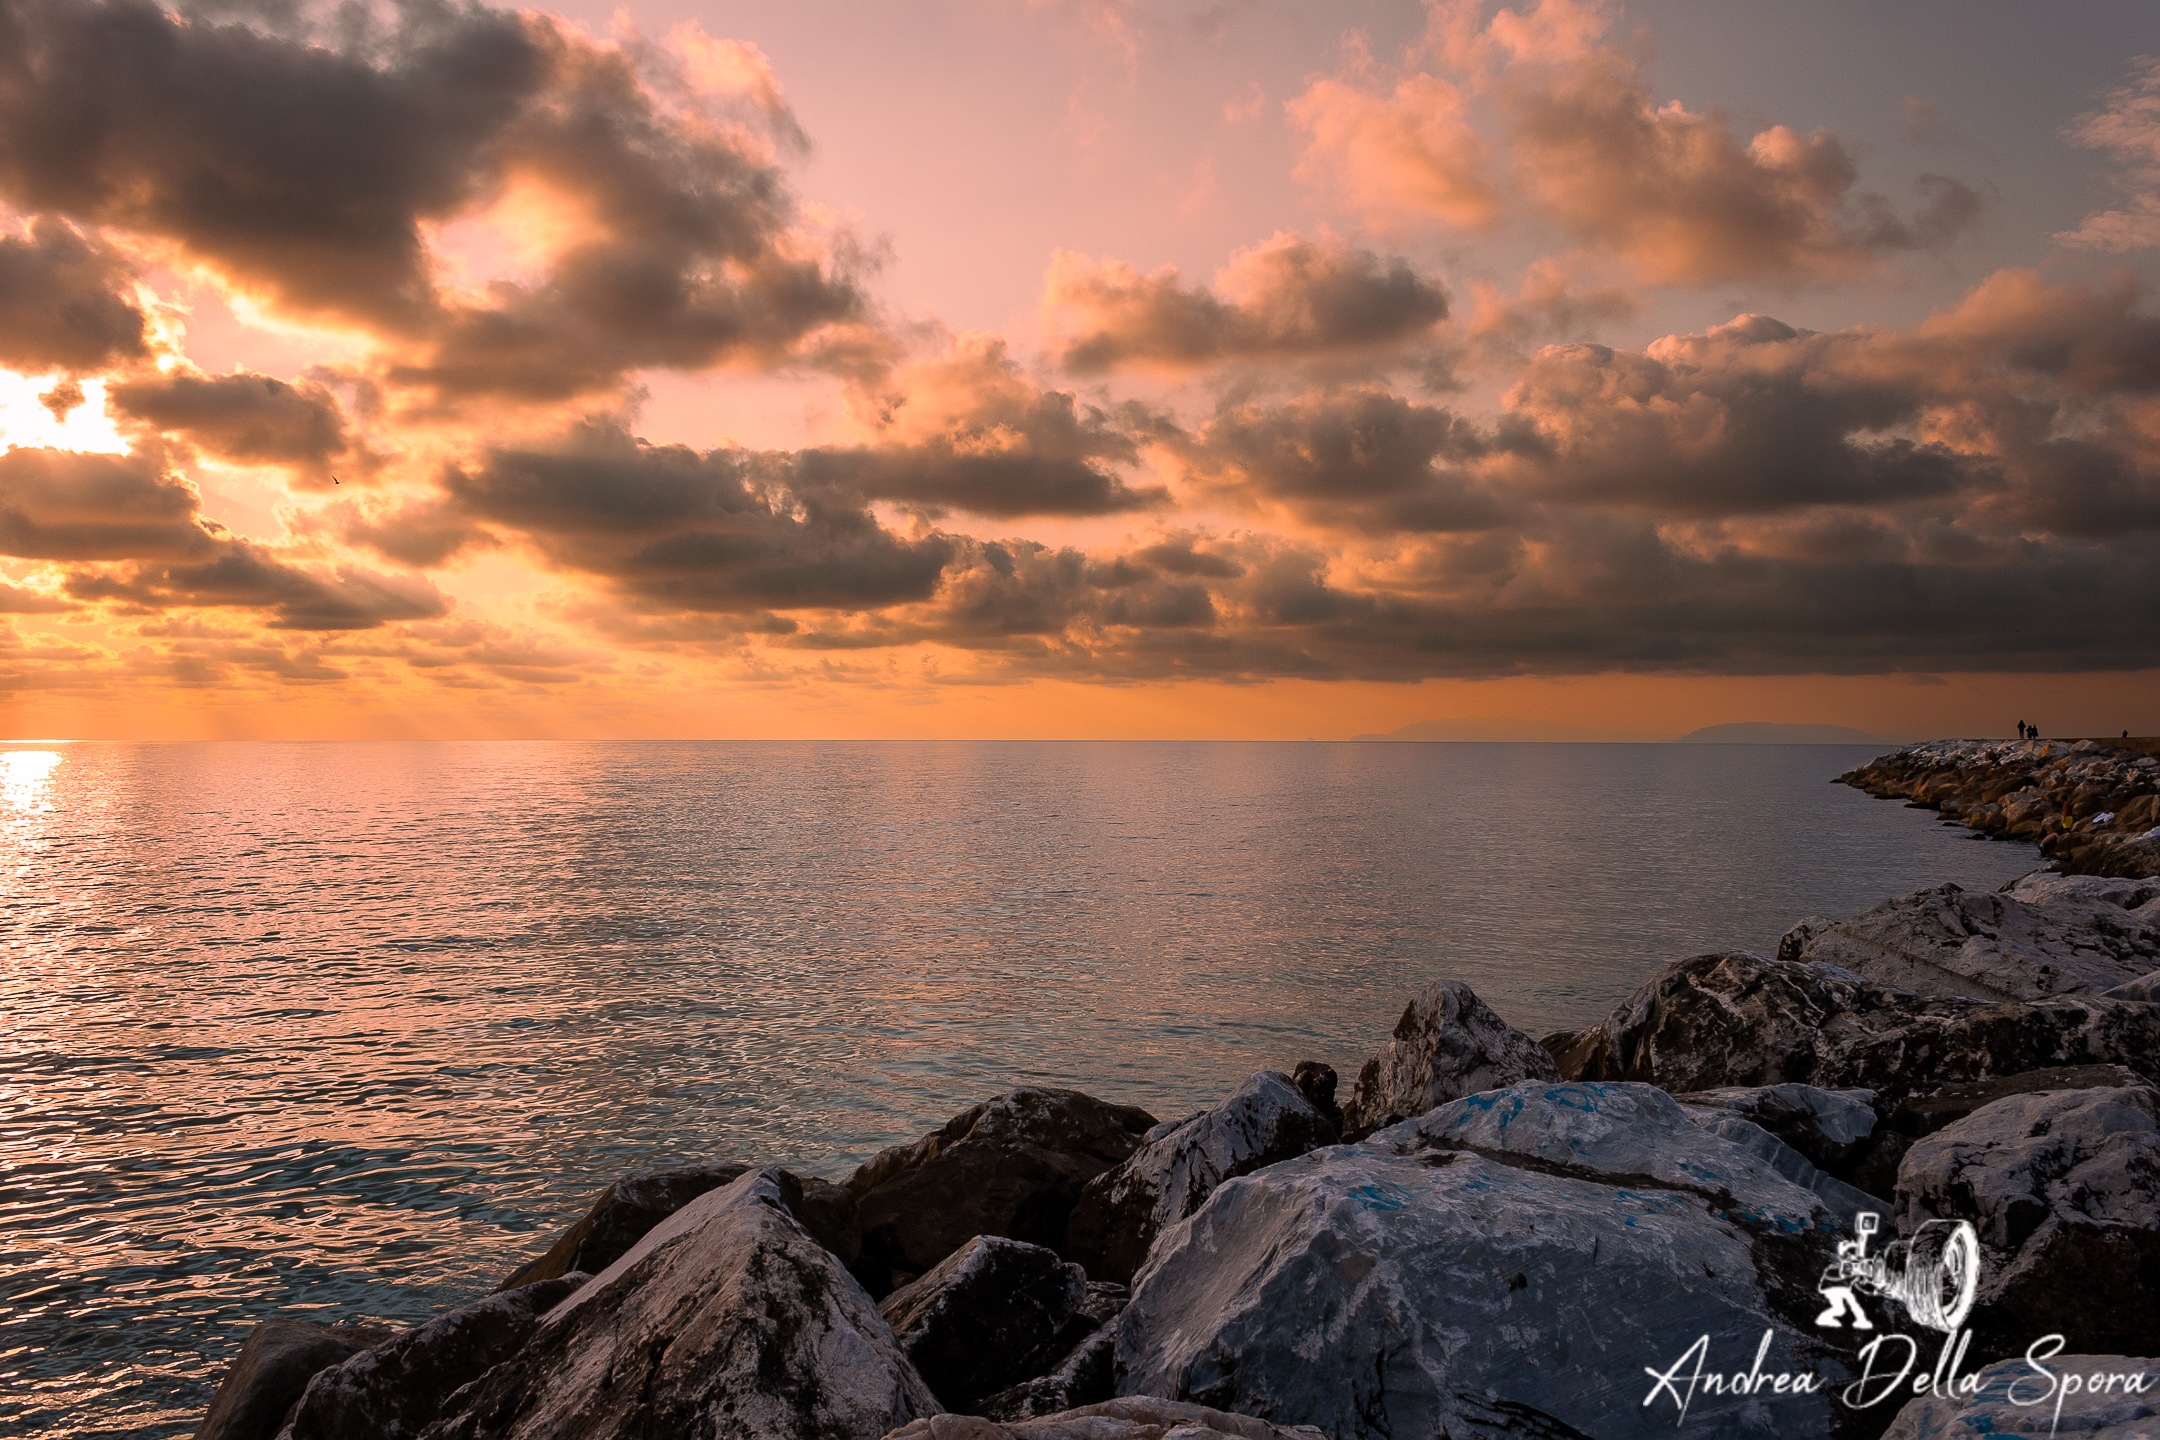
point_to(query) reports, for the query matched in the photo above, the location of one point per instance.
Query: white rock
(1509, 1260)
(1447, 1044)
(1123, 1210)
(2063, 1187)
(727, 1318)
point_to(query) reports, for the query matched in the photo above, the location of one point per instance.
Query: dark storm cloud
(1361, 460)
(1288, 299)
(306, 171)
(714, 531)
(62, 305)
(252, 419)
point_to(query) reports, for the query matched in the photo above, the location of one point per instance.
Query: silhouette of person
(2021, 729)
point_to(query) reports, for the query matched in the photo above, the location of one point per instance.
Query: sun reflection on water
(26, 783)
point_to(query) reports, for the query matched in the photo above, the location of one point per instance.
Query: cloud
(17, 600)
(965, 429)
(250, 419)
(2127, 130)
(64, 303)
(675, 528)
(87, 511)
(1363, 460)
(312, 171)
(1287, 298)
(1584, 144)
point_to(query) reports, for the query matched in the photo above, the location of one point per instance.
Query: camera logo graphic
(1934, 1275)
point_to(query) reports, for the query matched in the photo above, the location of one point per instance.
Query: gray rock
(2064, 1189)
(1827, 1127)
(2045, 886)
(397, 1389)
(621, 1214)
(1920, 1115)
(272, 1370)
(1122, 1211)
(2146, 989)
(1741, 1019)
(1135, 1418)
(2011, 1398)
(1843, 1201)
(727, 1318)
(1316, 1082)
(984, 1317)
(1085, 1377)
(1947, 941)
(1447, 1044)
(1012, 1166)
(1510, 1263)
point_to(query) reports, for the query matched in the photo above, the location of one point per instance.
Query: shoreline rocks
(2093, 807)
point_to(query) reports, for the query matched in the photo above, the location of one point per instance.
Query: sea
(348, 1030)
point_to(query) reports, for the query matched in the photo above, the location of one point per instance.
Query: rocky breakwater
(1612, 1232)
(2091, 806)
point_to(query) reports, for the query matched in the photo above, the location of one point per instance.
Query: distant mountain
(1767, 732)
(1501, 729)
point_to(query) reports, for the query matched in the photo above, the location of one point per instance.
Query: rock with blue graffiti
(2088, 1397)
(1123, 1210)
(1516, 1262)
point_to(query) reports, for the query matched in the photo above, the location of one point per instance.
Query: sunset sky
(982, 368)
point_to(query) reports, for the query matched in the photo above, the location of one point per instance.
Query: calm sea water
(350, 1029)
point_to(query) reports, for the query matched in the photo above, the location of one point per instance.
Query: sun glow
(27, 419)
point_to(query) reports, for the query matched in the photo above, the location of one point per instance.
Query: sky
(993, 369)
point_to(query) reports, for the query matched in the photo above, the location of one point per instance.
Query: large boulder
(1084, 1376)
(1137, 1418)
(1842, 1200)
(2064, 1189)
(986, 1316)
(620, 1216)
(272, 1370)
(1827, 1127)
(727, 1318)
(1950, 941)
(1011, 1166)
(1512, 1260)
(1447, 1044)
(1921, 1115)
(2074, 1397)
(1743, 1019)
(397, 1389)
(1122, 1211)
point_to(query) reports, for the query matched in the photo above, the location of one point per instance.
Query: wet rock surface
(1122, 1210)
(1515, 1258)
(985, 1317)
(1447, 1044)
(727, 1318)
(1012, 1166)
(2063, 1187)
